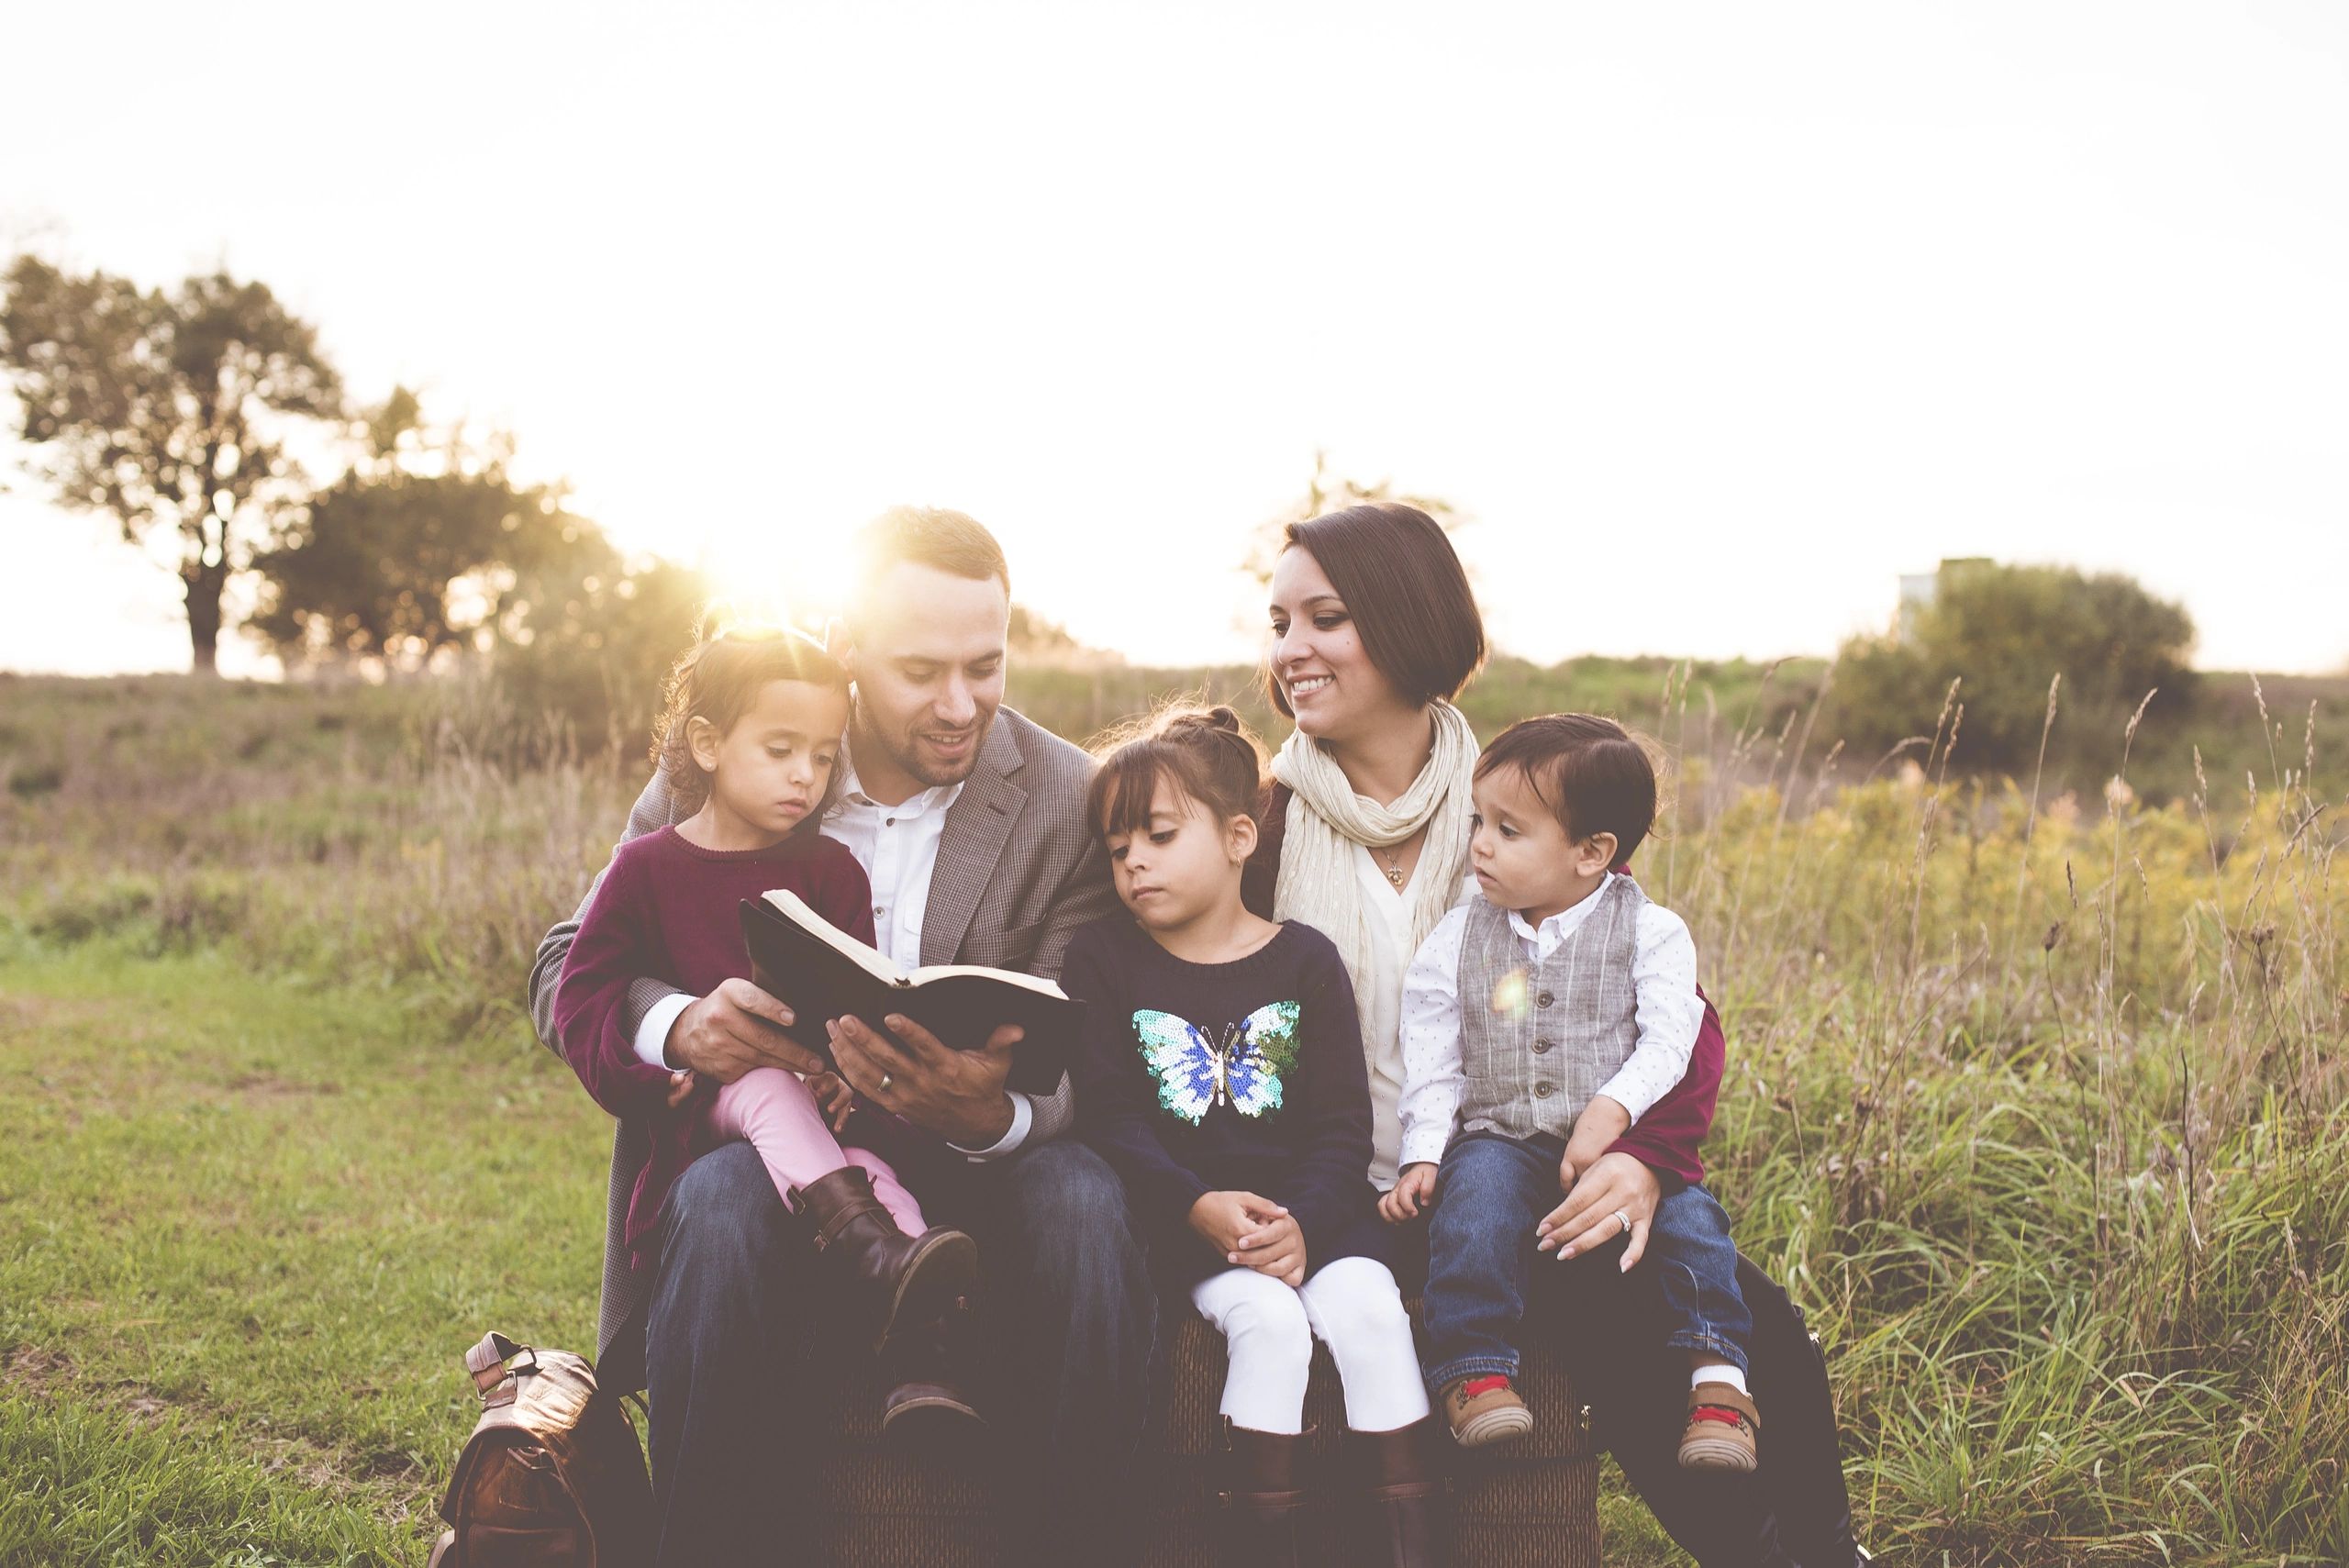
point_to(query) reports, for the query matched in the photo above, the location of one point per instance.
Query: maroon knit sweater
(668, 911)
(1666, 1139)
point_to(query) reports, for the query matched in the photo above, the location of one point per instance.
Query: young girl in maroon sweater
(752, 731)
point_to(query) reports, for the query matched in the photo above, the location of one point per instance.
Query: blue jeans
(1491, 1194)
(1072, 1320)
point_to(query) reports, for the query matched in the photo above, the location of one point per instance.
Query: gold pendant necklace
(1394, 868)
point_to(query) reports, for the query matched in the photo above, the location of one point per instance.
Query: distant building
(1918, 589)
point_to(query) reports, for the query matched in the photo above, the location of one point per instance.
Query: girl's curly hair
(717, 679)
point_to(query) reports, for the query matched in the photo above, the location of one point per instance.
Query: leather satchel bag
(553, 1476)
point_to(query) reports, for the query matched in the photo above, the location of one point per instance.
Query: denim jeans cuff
(1452, 1372)
(1711, 1345)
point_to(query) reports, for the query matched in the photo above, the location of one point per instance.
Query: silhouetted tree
(428, 544)
(167, 411)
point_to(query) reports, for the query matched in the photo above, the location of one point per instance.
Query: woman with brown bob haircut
(1365, 838)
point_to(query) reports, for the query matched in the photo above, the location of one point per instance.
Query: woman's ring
(1619, 1213)
(882, 1087)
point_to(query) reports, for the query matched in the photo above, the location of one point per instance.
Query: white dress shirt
(898, 847)
(1668, 1011)
(1377, 996)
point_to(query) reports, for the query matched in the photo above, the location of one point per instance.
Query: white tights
(1353, 1306)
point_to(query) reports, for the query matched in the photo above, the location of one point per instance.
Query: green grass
(2038, 1105)
(246, 1232)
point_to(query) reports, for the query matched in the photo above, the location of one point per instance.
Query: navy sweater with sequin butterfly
(1245, 1076)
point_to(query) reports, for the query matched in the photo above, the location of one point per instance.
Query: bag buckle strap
(485, 1364)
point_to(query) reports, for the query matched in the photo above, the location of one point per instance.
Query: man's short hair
(944, 540)
(1402, 584)
(1594, 775)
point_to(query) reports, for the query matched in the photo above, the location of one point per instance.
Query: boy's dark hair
(1206, 753)
(718, 678)
(1402, 584)
(1594, 775)
(928, 536)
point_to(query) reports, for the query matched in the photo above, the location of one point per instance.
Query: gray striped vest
(1539, 1039)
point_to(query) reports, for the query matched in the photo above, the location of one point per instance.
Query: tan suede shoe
(1484, 1410)
(1721, 1427)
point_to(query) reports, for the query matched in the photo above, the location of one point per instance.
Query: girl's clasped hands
(1251, 1232)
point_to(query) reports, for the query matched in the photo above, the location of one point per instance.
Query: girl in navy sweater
(1222, 1078)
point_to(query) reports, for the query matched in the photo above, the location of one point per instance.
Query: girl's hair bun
(1168, 721)
(1206, 753)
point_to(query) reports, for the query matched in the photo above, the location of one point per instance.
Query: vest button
(1543, 1091)
(1543, 1000)
(1541, 1046)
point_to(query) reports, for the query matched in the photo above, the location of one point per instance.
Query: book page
(1009, 976)
(869, 959)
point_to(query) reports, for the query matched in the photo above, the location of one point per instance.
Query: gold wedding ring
(882, 1087)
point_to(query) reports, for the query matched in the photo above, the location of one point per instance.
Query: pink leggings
(772, 1110)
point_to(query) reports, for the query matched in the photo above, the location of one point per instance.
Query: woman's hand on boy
(1410, 1194)
(1616, 1188)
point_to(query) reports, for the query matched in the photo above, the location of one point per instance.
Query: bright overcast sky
(1714, 319)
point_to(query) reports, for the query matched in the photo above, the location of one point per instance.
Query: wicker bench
(1534, 1506)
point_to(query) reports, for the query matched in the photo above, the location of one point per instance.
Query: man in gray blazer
(970, 822)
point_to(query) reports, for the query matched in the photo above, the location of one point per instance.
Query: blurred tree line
(2005, 634)
(180, 413)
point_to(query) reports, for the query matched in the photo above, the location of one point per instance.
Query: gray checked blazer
(1018, 872)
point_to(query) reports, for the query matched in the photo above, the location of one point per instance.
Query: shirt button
(1541, 1046)
(1543, 1000)
(878, 911)
(888, 822)
(1543, 1091)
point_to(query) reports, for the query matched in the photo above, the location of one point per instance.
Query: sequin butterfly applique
(1195, 1072)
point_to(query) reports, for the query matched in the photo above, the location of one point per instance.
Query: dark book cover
(822, 973)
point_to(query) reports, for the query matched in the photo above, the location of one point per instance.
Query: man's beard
(906, 751)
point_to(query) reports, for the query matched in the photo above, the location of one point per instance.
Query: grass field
(2035, 1102)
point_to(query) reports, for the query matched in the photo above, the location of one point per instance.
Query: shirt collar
(1557, 927)
(941, 796)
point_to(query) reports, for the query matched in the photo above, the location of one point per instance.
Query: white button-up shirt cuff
(653, 1034)
(1424, 1145)
(1023, 1120)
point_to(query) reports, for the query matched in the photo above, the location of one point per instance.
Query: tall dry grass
(2037, 1105)
(2034, 1099)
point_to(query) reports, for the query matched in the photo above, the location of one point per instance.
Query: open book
(823, 973)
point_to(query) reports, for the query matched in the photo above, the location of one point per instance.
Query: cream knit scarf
(1327, 819)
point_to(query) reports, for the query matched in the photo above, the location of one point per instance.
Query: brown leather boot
(893, 1277)
(1263, 1522)
(1408, 1522)
(927, 1408)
